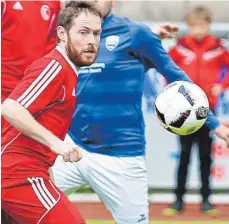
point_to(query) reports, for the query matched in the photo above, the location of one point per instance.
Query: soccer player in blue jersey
(108, 121)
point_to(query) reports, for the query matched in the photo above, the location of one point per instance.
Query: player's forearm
(212, 122)
(21, 119)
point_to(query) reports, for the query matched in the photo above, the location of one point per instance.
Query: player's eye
(97, 34)
(84, 32)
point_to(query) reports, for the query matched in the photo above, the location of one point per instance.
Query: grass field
(166, 222)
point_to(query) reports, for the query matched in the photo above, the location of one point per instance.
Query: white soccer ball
(182, 107)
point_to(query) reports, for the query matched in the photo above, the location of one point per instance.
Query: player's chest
(200, 55)
(114, 46)
(66, 96)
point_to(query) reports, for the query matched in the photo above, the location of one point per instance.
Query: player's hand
(216, 90)
(73, 155)
(70, 153)
(223, 132)
(167, 30)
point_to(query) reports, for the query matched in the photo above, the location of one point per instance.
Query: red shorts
(39, 201)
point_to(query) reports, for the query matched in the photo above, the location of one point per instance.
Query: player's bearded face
(81, 56)
(83, 39)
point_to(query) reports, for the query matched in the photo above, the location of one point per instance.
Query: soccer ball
(182, 107)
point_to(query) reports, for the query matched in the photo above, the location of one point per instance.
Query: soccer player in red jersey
(28, 33)
(39, 111)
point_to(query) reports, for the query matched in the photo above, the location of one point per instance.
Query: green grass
(87, 189)
(166, 222)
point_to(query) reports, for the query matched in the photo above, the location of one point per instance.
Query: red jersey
(28, 31)
(47, 91)
(203, 62)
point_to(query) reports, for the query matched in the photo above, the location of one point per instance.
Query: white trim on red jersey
(40, 83)
(67, 59)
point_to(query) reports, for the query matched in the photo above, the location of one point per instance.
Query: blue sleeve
(148, 48)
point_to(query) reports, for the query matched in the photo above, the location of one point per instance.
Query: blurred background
(173, 11)
(154, 12)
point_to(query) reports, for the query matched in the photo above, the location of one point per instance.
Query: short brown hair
(200, 11)
(73, 9)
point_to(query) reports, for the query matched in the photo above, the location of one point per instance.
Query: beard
(81, 58)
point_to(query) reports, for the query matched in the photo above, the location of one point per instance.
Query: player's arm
(147, 46)
(33, 94)
(22, 119)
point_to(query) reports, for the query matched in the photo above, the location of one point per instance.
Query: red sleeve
(175, 55)
(224, 59)
(40, 85)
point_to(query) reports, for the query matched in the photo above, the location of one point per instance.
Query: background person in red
(40, 110)
(202, 57)
(28, 33)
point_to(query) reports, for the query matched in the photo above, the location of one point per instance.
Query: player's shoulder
(48, 63)
(182, 40)
(137, 26)
(116, 19)
(132, 25)
(211, 41)
(217, 42)
(214, 43)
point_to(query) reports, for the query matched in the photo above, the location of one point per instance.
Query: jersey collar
(63, 53)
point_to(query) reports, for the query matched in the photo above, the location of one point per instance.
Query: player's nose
(92, 39)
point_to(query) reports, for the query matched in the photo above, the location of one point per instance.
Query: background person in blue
(108, 122)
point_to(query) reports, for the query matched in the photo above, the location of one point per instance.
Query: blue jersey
(108, 118)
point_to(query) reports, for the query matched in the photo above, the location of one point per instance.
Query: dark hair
(73, 9)
(200, 11)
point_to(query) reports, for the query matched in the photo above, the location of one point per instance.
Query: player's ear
(61, 33)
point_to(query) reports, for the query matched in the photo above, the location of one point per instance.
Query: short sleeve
(40, 86)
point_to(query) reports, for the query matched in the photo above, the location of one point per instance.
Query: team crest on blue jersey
(112, 42)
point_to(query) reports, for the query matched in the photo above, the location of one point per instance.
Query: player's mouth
(89, 53)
